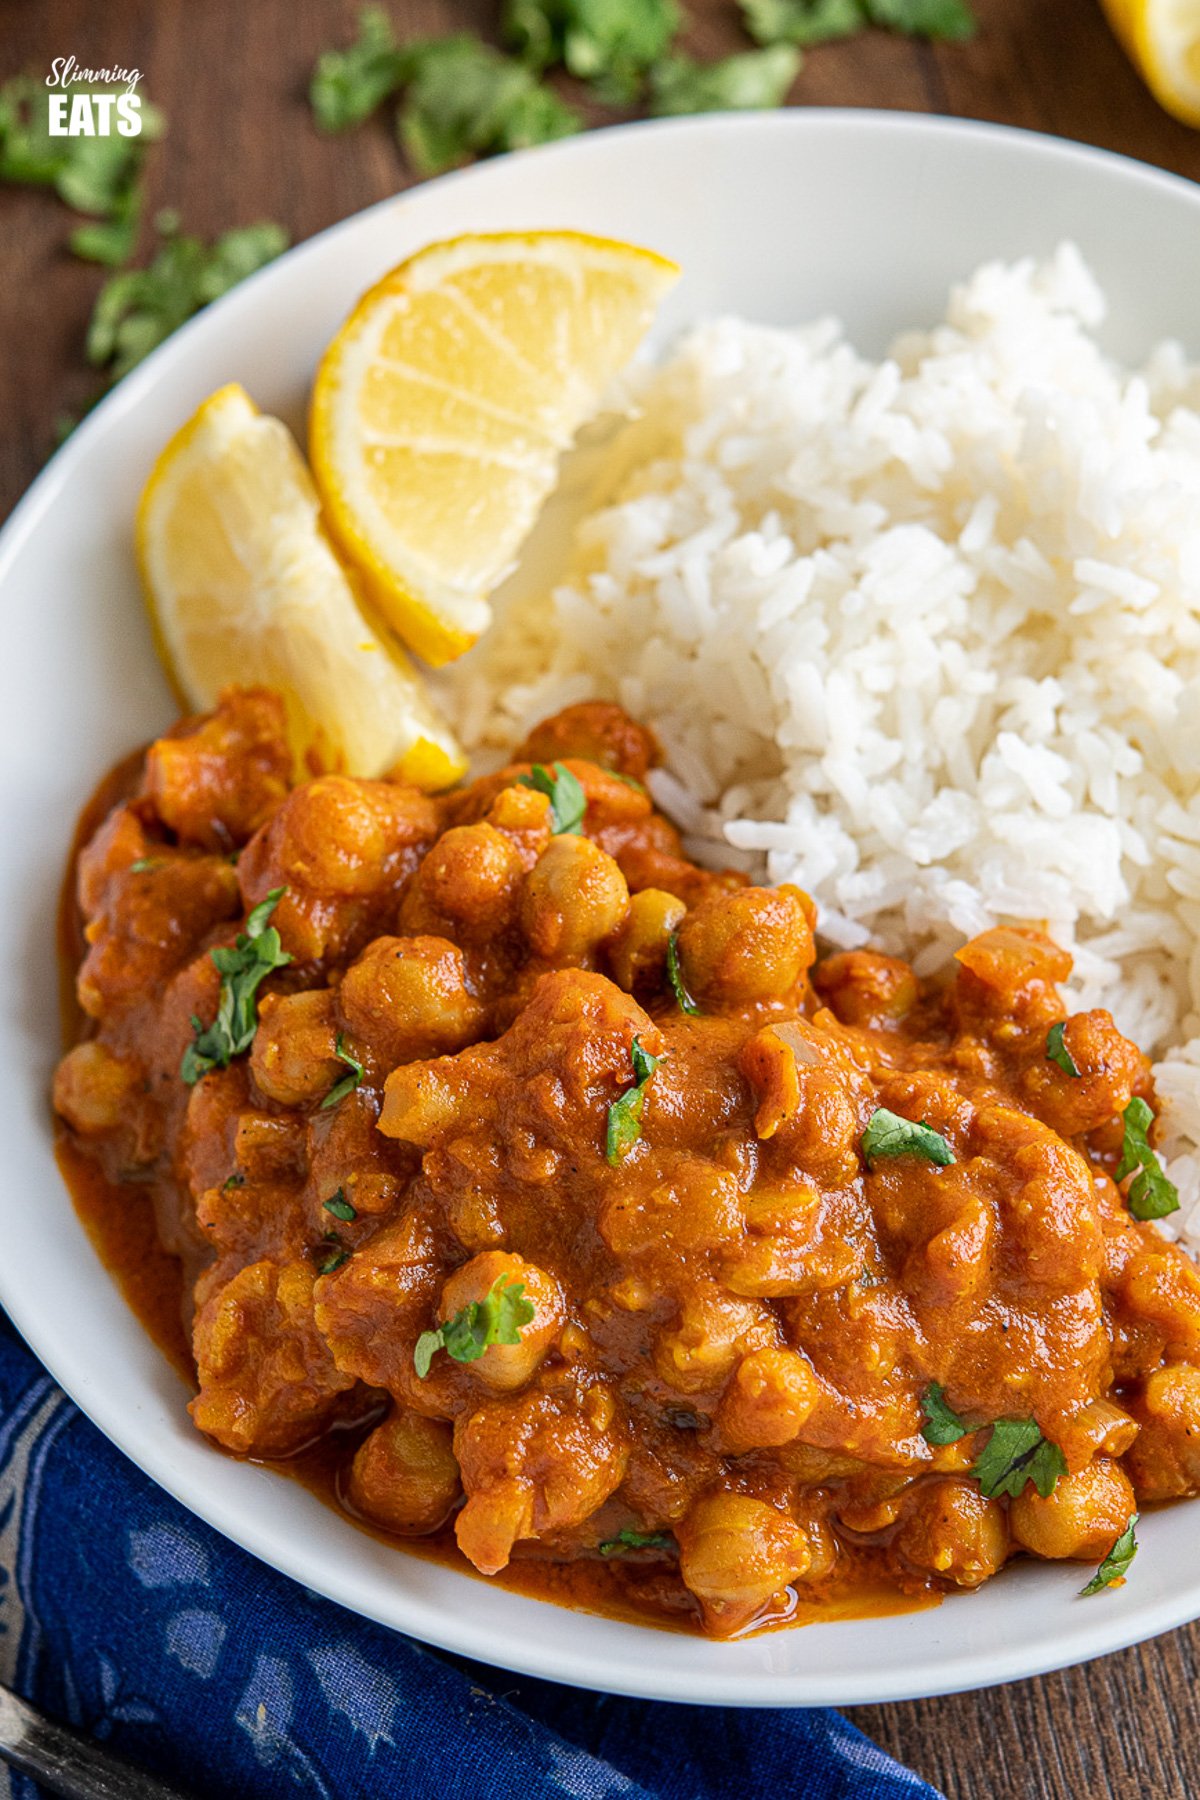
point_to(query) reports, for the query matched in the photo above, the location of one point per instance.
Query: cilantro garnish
(888, 1134)
(236, 1180)
(942, 1425)
(1057, 1052)
(349, 1082)
(347, 85)
(465, 99)
(568, 802)
(340, 1207)
(808, 22)
(137, 309)
(1151, 1195)
(683, 999)
(628, 1539)
(753, 79)
(1015, 1454)
(625, 1115)
(611, 43)
(1115, 1566)
(496, 1319)
(951, 20)
(330, 1253)
(243, 969)
(143, 864)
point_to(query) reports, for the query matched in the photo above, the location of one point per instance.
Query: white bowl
(779, 217)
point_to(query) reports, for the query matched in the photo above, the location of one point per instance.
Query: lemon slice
(1162, 38)
(244, 586)
(442, 405)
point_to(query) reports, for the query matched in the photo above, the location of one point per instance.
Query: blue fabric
(122, 1614)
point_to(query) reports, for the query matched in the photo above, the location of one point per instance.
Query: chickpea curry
(550, 1187)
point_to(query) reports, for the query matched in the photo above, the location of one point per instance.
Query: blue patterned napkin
(125, 1616)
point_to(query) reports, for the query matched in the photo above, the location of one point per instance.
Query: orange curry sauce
(593, 1069)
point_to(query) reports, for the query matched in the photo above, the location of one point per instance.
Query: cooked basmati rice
(922, 635)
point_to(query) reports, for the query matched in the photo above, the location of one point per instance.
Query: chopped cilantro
(801, 22)
(243, 969)
(1115, 1567)
(625, 1115)
(465, 99)
(753, 79)
(628, 1539)
(683, 999)
(1015, 1454)
(568, 802)
(1151, 1195)
(236, 1180)
(942, 1425)
(330, 1253)
(142, 864)
(952, 20)
(1057, 1052)
(888, 1134)
(496, 1319)
(611, 43)
(349, 1082)
(347, 85)
(340, 1207)
(139, 308)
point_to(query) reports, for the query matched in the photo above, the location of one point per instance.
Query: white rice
(922, 635)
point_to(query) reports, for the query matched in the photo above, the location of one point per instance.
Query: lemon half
(1163, 39)
(441, 407)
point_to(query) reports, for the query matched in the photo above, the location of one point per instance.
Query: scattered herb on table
(348, 1083)
(463, 99)
(1057, 1052)
(888, 1134)
(683, 999)
(628, 1539)
(1115, 1567)
(340, 1207)
(347, 85)
(1015, 1454)
(568, 802)
(625, 1115)
(611, 43)
(942, 1424)
(753, 79)
(807, 22)
(1151, 1195)
(496, 1319)
(243, 969)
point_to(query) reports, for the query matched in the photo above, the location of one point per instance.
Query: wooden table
(231, 76)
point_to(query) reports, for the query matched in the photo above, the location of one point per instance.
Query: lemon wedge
(243, 585)
(442, 405)
(1162, 38)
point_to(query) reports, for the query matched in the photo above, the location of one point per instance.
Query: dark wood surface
(231, 75)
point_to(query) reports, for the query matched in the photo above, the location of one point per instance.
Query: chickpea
(507, 1366)
(864, 988)
(714, 1329)
(472, 876)
(638, 952)
(772, 1393)
(597, 731)
(1164, 1459)
(1082, 1519)
(752, 944)
(736, 1554)
(92, 1089)
(408, 998)
(575, 897)
(330, 837)
(949, 1529)
(405, 1476)
(292, 1058)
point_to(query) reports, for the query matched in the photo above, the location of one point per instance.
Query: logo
(76, 113)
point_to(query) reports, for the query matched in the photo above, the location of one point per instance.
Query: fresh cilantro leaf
(110, 241)
(628, 1539)
(143, 864)
(496, 1319)
(624, 1126)
(243, 970)
(755, 78)
(330, 1254)
(683, 999)
(139, 308)
(952, 20)
(347, 85)
(340, 1207)
(1057, 1052)
(348, 1083)
(236, 1180)
(942, 1425)
(1115, 1566)
(801, 22)
(1015, 1454)
(609, 42)
(568, 802)
(1151, 1195)
(465, 99)
(888, 1134)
